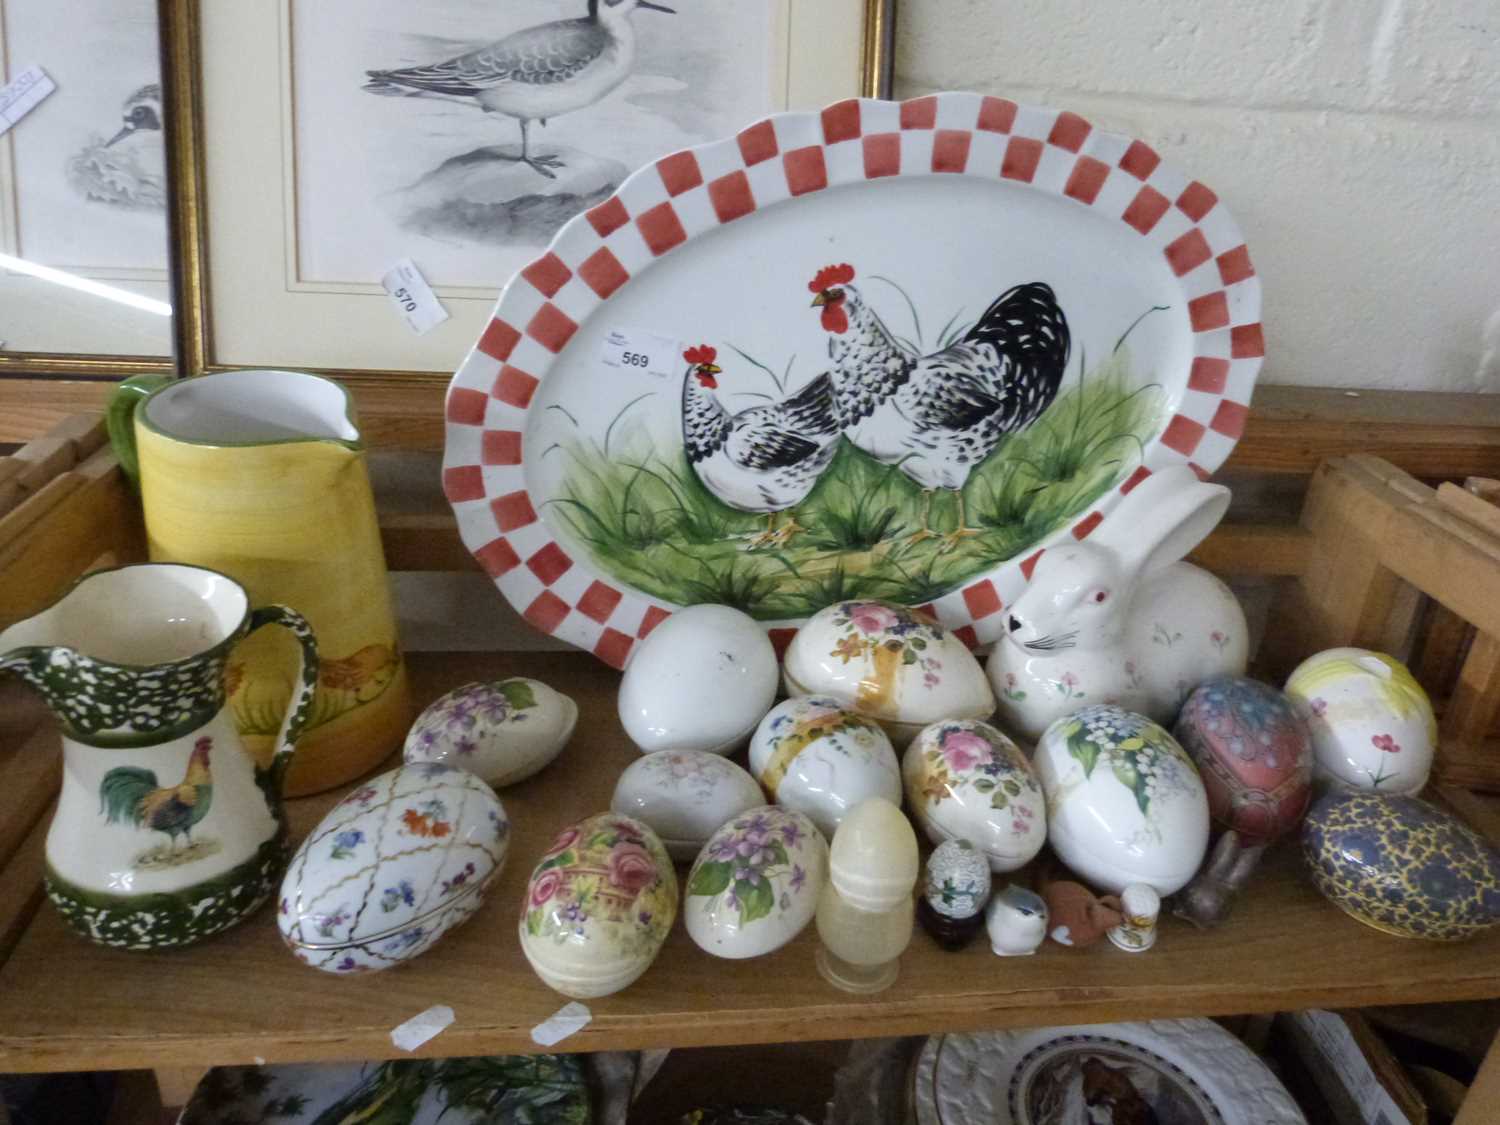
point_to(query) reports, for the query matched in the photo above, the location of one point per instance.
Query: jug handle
(119, 419)
(302, 697)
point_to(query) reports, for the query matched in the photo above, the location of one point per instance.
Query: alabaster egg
(598, 906)
(700, 680)
(391, 868)
(812, 755)
(893, 664)
(873, 860)
(1402, 865)
(502, 732)
(684, 796)
(1371, 722)
(1253, 753)
(1125, 803)
(965, 780)
(755, 884)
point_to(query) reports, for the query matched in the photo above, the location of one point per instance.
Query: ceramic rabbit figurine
(1116, 618)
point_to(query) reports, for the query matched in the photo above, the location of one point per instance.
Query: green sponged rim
(167, 919)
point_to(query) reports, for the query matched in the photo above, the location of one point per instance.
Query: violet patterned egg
(392, 867)
(1253, 753)
(503, 732)
(598, 906)
(1372, 724)
(821, 759)
(893, 664)
(1125, 803)
(965, 780)
(684, 796)
(1402, 865)
(755, 885)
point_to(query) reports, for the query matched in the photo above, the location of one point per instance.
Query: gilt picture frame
(291, 205)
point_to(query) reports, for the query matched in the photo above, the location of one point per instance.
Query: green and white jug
(166, 830)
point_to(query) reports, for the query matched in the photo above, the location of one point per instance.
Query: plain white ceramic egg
(965, 780)
(894, 664)
(755, 885)
(812, 755)
(1125, 802)
(700, 680)
(684, 796)
(502, 732)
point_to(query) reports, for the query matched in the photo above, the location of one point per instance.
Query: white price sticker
(413, 297)
(22, 94)
(646, 352)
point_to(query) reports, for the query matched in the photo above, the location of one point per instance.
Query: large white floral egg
(755, 885)
(700, 680)
(503, 732)
(1371, 723)
(1125, 804)
(684, 796)
(394, 866)
(893, 664)
(598, 906)
(812, 755)
(965, 780)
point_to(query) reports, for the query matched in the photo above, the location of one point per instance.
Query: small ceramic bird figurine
(534, 74)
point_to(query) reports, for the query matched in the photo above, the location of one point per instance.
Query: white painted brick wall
(1357, 142)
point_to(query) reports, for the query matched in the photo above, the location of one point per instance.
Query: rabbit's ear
(1163, 518)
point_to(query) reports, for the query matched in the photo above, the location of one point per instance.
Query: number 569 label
(645, 352)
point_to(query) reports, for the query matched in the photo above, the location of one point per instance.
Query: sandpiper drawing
(141, 113)
(534, 74)
(127, 171)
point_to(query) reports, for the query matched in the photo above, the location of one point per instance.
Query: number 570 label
(645, 352)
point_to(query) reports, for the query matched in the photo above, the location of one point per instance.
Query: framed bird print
(83, 190)
(326, 142)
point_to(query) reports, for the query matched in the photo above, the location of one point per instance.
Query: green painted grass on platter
(648, 521)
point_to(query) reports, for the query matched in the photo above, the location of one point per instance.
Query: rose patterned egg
(755, 885)
(700, 680)
(814, 756)
(965, 780)
(1402, 865)
(503, 732)
(1125, 803)
(1253, 753)
(598, 906)
(893, 664)
(1371, 722)
(394, 866)
(684, 796)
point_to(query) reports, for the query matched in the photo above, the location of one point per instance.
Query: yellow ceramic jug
(261, 475)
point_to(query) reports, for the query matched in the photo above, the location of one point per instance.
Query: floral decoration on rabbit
(1117, 618)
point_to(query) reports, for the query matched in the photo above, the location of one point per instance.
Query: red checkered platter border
(642, 422)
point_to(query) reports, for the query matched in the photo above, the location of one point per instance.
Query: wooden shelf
(242, 998)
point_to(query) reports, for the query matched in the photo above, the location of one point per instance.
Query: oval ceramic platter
(886, 350)
(1174, 1072)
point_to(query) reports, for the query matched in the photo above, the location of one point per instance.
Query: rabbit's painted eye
(1098, 597)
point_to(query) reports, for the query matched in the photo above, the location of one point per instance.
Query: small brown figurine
(1077, 916)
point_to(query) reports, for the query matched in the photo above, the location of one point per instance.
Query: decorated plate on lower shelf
(1170, 1072)
(887, 350)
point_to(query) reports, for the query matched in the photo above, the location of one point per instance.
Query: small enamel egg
(893, 664)
(873, 861)
(755, 885)
(965, 780)
(1125, 803)
(684, 796)
(814, 756)
(502, 732)
(1371, 722)
(700, 680)
(598, 906)
(1402, 865)
(958, 879)
(391, 868)
(1253, 753)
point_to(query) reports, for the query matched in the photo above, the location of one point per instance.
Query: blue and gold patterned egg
(1402, 865)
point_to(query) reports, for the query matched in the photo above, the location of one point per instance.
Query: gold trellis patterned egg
(1402, 865)
(394, 866)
